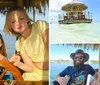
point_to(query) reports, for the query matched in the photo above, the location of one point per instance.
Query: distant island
(58, 61)
(94, 61)
(61, 61)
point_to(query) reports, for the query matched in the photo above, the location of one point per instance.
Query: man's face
(78, 59)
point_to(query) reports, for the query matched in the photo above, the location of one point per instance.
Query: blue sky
(38, 17)
(63, 52)
(55, 9)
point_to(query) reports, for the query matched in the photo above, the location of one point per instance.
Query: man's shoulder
(70, 67)
(87, 65)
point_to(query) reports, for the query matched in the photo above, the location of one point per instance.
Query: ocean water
(56, 68)
(83, 32)
(9, 42)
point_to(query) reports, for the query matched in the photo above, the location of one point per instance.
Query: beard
(78, 65)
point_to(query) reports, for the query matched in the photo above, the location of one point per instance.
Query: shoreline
(66, 61)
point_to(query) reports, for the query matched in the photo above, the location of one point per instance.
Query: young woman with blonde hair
(32, 44)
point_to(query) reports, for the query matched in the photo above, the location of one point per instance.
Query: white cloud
(94, 58)
(61, 56)
(57, 4)
(54, 57)
(54, 15)
(55, 9)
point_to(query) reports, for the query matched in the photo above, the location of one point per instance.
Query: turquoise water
(56, 68)
(84, 32)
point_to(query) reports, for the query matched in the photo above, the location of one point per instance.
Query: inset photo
(71, 18)
(24, 42)
(74, 64)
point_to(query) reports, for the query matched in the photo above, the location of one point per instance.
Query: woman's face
(18, 21)
(0, 43)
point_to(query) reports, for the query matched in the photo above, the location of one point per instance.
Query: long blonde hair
(7, 27)
(3, 47)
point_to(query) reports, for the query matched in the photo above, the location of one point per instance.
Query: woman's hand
(61, 80)
(1, 56)
(15, 59)
(26, 65)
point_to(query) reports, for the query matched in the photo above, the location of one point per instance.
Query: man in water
(77, 74)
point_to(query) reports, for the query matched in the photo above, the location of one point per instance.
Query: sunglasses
(78, 57)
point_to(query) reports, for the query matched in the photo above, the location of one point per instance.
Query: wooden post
(68, 15)
(88, 15)
(33, 14)
(59, 17)
(91, 15)
(84, 14)
(20, 3)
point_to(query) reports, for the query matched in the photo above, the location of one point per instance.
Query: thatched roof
(74, 6)
(85, 46)
(27, 4)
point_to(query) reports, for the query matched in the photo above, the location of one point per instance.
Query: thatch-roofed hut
(74, 6)
(75, 13)
(29, 5)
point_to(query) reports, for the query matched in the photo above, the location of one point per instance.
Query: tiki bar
(75, 13)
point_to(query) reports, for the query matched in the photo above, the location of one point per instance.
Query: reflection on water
(84, 32)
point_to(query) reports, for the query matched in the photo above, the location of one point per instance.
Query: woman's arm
(27, 60)
(42, 65)
(29, 66)
(25, 67)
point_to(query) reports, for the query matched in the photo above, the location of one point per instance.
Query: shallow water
(84, 32)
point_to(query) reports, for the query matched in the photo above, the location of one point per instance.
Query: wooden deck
(14, 82)
(72, 21)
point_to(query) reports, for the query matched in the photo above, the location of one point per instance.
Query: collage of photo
(49, 42)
